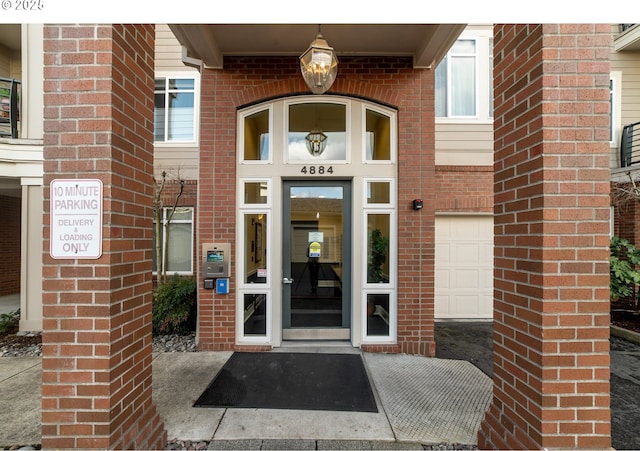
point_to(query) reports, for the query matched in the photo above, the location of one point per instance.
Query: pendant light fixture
(319, 65)
(316, 142)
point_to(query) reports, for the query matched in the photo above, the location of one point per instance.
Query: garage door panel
(464, 267)
(467, 253)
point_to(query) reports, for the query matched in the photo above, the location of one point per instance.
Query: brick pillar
(96, 366)
(551, 191)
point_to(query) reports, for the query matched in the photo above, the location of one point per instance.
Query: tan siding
(168, 51)
(16, 65)
(628, 63)
(464, 144)
(173, 158)
(5, 62)
(169, 59)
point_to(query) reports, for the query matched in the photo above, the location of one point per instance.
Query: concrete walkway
(420, 400)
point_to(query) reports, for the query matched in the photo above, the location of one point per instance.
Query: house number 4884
(319, 170)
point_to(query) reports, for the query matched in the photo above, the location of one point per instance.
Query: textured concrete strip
(288, 444)
(431, 400)
(235, 444)
(303, 424)
(179, 378)
(20, 394)
(344, 444)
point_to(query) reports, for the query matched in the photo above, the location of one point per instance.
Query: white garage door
(464, 267)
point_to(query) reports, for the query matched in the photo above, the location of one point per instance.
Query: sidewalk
(420, 401)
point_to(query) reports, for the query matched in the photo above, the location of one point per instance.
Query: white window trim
(377, 288)
(616, 111)
(196, 109)
(240, 126)
(392, 115)
(483, 72)
(249, 288)
(164, 237)
(316, 99)
(240, 193)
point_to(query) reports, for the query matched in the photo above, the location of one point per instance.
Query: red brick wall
(551, 307)
(10, 245)
(96, 366)
(464, 189)
(388, 80)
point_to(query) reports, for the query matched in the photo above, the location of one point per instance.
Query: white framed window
(255, 143)
(379, 141)
(254, 301)
(456, 81)
(464, 78)
(379, 311)
(176, 109)
(615, 108)
(317, 130)
(177, 244)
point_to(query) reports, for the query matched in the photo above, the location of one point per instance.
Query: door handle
(286, 280)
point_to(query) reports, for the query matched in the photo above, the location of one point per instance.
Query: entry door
(316, 260)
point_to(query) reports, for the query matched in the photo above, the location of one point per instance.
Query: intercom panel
(216, 259)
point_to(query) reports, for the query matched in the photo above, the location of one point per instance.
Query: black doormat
(303, 381)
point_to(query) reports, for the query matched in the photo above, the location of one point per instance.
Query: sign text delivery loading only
(76, 218)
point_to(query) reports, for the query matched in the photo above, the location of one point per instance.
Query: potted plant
(378, 245)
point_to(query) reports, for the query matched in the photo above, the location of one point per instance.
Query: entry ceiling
(425, 43)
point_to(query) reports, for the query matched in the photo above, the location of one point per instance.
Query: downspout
(191, 61)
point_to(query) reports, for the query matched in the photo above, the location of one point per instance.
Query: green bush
(174, 306)
(9, 322)
(624, 260)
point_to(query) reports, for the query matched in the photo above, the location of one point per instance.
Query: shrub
(174, 306)
(624, 277)
(9, 322)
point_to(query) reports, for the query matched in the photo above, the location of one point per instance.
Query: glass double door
(316, 260)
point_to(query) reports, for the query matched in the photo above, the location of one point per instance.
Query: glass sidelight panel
(255, 314)
(378, 233)
(256, 136)
(255, 260)
(378, 192)
(378, 314)
(378, 136)
(255, 193)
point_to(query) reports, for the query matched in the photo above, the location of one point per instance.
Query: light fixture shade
(319, 65)
(316, 143)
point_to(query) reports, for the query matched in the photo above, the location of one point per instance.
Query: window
(317, 131)
(456, 81)
(615, 108)
(179, 247)
(379, 303)
(175, 110)
(377, 136)
(256, 136)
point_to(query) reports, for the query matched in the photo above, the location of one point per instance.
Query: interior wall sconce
(319, 65)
